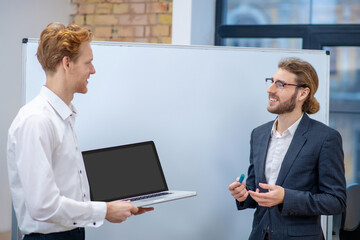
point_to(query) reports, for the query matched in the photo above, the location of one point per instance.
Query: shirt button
(74, 223)
(80, 172)
(94, 223)
(84, 195)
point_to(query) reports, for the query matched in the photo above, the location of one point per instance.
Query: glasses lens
(279, 84)
(269, 81)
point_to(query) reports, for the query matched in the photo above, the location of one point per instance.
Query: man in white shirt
(296, 171)
(47, 176)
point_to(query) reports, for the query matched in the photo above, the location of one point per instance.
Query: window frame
(314, 36)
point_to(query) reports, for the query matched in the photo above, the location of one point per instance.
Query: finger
(238, 191)
(267, 186)
(143, 210)
(258, 195)
(234, 185)
(133, 209)
(259, 199)
(239, 195)
(244, 197)
(255, 196)
(240, 187)
(263, 199)
(146, 209)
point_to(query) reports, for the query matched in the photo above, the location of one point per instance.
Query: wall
(193, 22)
(203, 22)
(18, 19)
(147, 21)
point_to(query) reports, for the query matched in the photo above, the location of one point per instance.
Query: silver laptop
(129, 172)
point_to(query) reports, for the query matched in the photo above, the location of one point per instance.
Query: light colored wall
(203, 22)
(18, 19)
(193, 22)
(181, 34)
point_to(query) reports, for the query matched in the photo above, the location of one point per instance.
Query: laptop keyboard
(150, 196)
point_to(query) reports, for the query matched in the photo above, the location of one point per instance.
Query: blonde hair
(58, 41)
(305, 75)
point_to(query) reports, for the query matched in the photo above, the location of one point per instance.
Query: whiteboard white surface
(199, 105)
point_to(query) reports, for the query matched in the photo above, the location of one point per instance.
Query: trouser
(75, 234)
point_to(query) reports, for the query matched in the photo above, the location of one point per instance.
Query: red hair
(58, 41)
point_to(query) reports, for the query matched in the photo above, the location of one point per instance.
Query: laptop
(129, 172)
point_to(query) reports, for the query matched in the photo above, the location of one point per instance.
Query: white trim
(181, 22)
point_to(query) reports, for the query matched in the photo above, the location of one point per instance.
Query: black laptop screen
(124, 171)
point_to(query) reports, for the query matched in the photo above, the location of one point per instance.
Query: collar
(58, 105)
(291, 130)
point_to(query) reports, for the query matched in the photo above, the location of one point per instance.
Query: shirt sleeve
(33, 155)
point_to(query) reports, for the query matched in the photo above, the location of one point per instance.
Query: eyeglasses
(280, 84)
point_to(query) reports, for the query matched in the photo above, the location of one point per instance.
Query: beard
(284, 107)
(81, 87)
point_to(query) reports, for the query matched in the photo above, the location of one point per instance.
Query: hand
(143, 210)
(238, 190)
(273, 197)
(119, 211)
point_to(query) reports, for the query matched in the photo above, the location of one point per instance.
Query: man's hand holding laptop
(118, 211)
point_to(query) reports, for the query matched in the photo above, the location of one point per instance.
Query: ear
(65, 63)
(304, 93)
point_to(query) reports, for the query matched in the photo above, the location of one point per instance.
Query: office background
(309, 24)
(26, 19)
(193, 22)
(199, 108)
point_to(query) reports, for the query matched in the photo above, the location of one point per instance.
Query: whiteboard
(199, 105)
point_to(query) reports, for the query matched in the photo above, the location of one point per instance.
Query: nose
(271, 88)
(92, 69)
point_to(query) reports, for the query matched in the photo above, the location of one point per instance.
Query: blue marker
(241, 178)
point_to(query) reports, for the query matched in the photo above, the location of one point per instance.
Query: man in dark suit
(296, 171)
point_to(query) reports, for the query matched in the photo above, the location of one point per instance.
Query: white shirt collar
(59, 105)
(291, 130)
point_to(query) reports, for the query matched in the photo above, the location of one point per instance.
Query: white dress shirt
(48, 182)
(278, 146)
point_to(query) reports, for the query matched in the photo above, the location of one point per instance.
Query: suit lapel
(263, 144)
(296, 145)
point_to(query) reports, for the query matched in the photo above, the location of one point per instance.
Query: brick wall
(126, 20)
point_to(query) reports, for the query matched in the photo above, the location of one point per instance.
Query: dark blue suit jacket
(312, 174)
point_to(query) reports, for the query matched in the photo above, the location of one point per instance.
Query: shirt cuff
(99, 213)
